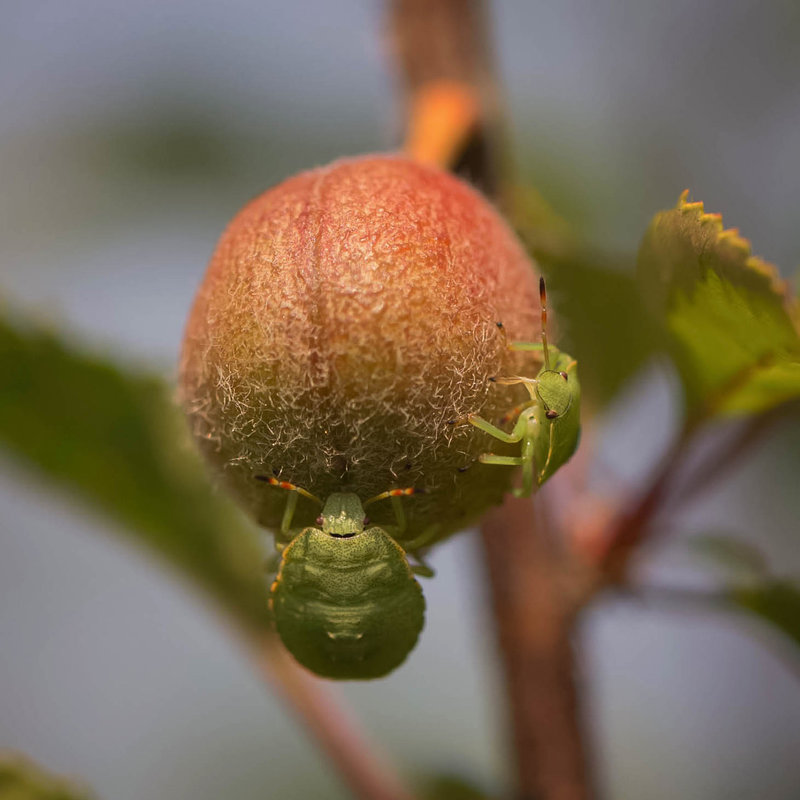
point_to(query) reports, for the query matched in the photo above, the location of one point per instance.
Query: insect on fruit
(548, 425)
(345, 601)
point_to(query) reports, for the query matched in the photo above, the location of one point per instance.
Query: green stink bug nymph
(548, 425)
(345, 601)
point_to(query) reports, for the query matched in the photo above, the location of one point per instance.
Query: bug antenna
(393, 493)
(289, 487)
(543, 301)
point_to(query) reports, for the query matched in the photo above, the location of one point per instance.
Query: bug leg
(518, 347)
(525, 431)
(503, 461)
(514, 461)
(422, 568)
(487, 427)
(522, 430)
(423, 539)
(528, 476)
(272, 558)
(543, 470)
(397, 506)
(288, 513)
(291, 505)
(513, 413)
(281, 539)
(399, 515)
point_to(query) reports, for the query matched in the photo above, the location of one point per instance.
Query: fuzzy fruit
(348, 316)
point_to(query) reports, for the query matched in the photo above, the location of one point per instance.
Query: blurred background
(130, 133)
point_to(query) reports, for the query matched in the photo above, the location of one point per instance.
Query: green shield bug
(345, 600)
(548, 425)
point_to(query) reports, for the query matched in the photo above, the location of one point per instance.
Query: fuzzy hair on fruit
(347, 318)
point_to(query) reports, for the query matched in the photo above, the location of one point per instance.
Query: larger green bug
(345, 601)
(548, 425)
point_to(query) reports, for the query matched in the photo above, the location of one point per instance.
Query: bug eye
(551, 414)
(564, 375)
(365, 522)
(320, 520)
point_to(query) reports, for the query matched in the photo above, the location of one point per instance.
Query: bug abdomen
(347, 607)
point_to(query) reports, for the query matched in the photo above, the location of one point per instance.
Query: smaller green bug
(345, 601)
(548, 425)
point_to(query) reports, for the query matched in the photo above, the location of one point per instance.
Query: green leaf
(732, 323)
(449, 787)
(776, 602)
(750, 587)
(736, 558)
(600, 320)
(115, 437)
(22, 779)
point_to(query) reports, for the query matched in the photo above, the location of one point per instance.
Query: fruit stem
(442, 58)
(366, 772)
(536, 625)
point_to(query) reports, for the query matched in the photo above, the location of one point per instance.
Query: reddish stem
(630, 527)
(535, 625)
(368, 775)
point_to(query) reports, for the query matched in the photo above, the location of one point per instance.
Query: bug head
(347, 607)
(342, 515)
(555, 392)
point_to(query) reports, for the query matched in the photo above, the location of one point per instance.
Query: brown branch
(535, 621)
(368, 775)
(631, 526)
(628, 530)
(719, 464)
(679, 599)
(440, 43)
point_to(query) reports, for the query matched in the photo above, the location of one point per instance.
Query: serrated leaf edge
(732, 238)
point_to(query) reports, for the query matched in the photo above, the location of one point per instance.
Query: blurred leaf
(775, 601)
(600, 317)
(749, 585)
(449, 787)
(546, 234)
(22, 779)
(169, 145)
(732, 322)
(116, 438)
(604, 324)
(738, 559)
